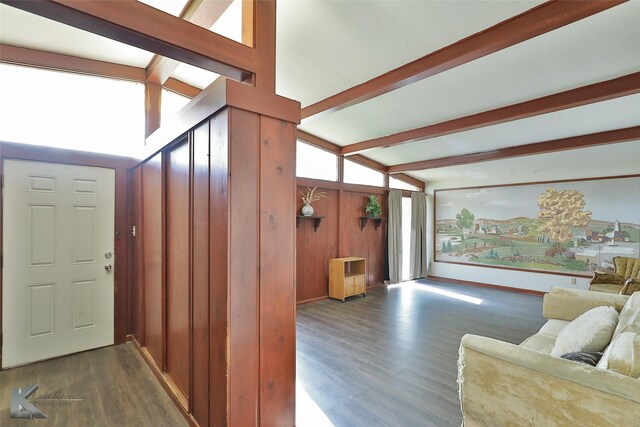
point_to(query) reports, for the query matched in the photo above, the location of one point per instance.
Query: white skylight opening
(170, 104)
(314, 162)
(71, 111)
(355, 173)
(399, 184)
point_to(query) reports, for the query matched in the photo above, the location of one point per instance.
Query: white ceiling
(324, 47)
(617, 113)
(601, 47)
(173, 7)
(608, 160)
(598, 48)
(24, 29)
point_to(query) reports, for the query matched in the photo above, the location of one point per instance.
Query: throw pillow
(604, 360)
(590, 331)
(629, 320)
(624, 357)
(588, 357)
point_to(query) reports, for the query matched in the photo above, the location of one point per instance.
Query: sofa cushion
(591, 331)
(623, 355)
(629, 316)
(567, 304)
(544, 340)
(539, 342)
(553, 327)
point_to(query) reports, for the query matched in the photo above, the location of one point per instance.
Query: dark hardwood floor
(390, 359)
(117, 388)
(385, 360)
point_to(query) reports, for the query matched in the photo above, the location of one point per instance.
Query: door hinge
(133, 231)
(1, 259)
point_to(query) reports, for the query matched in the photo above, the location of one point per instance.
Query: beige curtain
(395, 235)
(418, 256)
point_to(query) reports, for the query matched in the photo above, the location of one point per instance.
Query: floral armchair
(625, 280)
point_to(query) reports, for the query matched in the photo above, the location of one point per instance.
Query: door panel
(178, 280)
(83, 303)
(84, 231)
(349, 286)
(57, 296)
(41, 309)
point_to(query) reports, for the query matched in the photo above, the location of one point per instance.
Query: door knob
(108, 267)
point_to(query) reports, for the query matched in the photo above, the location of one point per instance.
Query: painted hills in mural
(553, 228)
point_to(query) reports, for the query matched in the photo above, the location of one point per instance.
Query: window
(171, 104)
(397, 183)
(313, 162)
(71, 111)
(355, 173)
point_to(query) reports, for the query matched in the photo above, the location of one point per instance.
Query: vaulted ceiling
(491, 87)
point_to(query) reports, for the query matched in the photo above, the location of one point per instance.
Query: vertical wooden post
(152, 101)
(259, 31)
(277, 272)
(252, 232)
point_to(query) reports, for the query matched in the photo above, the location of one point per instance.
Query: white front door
(58, 237)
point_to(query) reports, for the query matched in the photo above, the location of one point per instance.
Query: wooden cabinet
(347, 277)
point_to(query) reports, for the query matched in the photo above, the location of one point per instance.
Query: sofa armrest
(504, 384)
(630, 286)
(567, 304)
(612, 278)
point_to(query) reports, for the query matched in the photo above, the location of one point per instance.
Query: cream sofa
(503, 384)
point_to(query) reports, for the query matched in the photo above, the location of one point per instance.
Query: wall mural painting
(570, 227)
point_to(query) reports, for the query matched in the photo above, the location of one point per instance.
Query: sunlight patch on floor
(308, 413)
(412, 285)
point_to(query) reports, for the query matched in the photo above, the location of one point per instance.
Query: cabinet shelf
(316, 220)
(347, 277)
(376, 221)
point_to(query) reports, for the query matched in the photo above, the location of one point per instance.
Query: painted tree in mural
(464, 220)
(562, 210)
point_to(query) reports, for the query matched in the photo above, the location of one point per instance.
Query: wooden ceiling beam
(264, 40)
(410, 180)
(199, 12)
(74, 64)
(572, 143)
(59, 62)
(152, 107)
(542, 19)
(145, 27)
(181, 88)
(365, 161)
(318, 142)
(597, 92)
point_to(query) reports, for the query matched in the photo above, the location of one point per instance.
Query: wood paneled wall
(339, 235)
(217, 295)
(314, 248)
(151, 232)
(179, 284)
